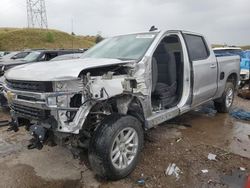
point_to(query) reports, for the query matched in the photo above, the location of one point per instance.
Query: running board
(161, 116)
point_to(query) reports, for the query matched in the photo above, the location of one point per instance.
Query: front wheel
(115, 146)
(224, 104)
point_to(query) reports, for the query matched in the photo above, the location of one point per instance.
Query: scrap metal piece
(173, 169)
(4, 123)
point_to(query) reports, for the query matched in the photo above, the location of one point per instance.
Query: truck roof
(159, 31)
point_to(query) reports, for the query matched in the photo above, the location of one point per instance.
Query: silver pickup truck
(120, 88)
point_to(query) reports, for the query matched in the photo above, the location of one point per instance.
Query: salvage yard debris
(204, 171)
(178, 140)
(4, 123)
(211, 157)
(242, 169)
(141, 181)
(173, 170)
(240, 114)
(244, 93)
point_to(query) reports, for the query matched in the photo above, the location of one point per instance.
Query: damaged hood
(58, 70)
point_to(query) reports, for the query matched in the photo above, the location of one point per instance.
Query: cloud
(225, 21)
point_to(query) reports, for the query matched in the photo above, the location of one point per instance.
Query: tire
(223, 104)
(105, 140)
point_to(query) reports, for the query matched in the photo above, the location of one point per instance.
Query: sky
(221, 21)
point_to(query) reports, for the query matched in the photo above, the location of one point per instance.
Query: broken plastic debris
(173, 170)
(211, 157)
(242, 169)
(178, 140)
(141, 181)
(204, 171)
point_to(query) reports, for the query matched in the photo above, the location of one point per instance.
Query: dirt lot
(185, 141)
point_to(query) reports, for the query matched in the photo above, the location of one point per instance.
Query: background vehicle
(245, 68)
(12, 57)
(29, 57)
(67, 56)
(34, 56)
(2, 53)
(8, 56)
(118, 89)
(227, 51)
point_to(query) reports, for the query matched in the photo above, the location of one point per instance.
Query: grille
(30, 112)
(30, 86)
(28, 98)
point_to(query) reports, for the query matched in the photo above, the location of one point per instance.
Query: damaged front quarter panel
(100, 85)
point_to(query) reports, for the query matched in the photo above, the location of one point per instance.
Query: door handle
(212, 66)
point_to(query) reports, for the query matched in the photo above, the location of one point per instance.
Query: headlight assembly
(68, 85)
(57, 102)
(62, 93)
(52, 102)
(62, 101)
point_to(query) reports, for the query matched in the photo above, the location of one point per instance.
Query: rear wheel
(115, 146)
(224, 104)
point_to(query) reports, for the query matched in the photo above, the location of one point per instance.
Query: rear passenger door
(204, 67)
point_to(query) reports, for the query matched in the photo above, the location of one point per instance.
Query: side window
(20, 55)
(42, 58)
(196, 47)
(50, 55)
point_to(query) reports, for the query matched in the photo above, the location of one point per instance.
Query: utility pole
(36, 14)
(72, 33)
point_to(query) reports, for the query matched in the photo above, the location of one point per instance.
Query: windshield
(126, 47)
(32, 56)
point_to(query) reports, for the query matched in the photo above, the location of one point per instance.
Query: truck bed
(226, 66)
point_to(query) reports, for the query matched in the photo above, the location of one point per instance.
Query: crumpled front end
(43, 102)
(65, 107)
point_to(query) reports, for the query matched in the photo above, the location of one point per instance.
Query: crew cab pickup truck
(120, 88)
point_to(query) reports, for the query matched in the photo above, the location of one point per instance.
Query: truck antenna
(153, 28)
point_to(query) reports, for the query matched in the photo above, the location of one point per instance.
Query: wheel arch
(233, 77)
(124, 104)
(128, 104)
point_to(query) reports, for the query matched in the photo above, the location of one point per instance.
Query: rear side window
(197, 47)
(50, 55)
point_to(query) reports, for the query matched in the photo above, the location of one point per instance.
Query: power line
(36, 14)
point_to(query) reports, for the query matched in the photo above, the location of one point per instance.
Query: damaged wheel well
(123, 104)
